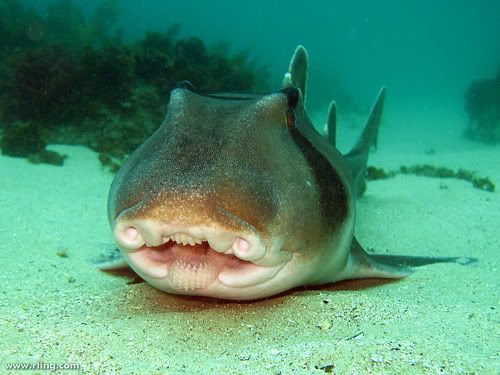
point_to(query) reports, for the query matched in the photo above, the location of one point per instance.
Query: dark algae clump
(426, 170)
(22, 139)
(482, 103)
(25, 139)
(374, 173)
(70, 79)
(44, 86)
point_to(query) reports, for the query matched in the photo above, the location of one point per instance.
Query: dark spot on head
(291, 118)
(292, 95)
(334, 200)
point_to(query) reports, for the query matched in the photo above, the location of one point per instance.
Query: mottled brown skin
(222, 160)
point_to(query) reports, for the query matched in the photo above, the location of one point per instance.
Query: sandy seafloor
(444, 319)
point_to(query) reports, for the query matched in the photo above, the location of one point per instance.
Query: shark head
(228, 200)
(237, 196)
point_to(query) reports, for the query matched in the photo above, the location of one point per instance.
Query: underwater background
(420, 49)
(83, 83)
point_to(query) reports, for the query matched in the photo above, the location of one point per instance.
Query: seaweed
(72, 80)
(164, 61)
(482, 104)
(25, 139)
(47, 157)
(101, 27)
(426, 170)
(66, 25)
(22, 138)
(107, 75)
(109, 162)
(374, 173)
(45, 85)
(20, 27)
(153, 56)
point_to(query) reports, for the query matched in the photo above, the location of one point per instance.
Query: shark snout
(202, 242)
(137, 234)
(193, 257)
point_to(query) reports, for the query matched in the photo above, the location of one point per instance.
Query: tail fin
(368, 265)
(358, 156)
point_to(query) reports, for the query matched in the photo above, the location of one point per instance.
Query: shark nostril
(241, 245)
(243, 250)
(131, 233)
(129, 237)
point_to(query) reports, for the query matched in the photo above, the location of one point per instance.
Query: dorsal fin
(297, 71)
(358, 156)
(331, 124)
(370, 132)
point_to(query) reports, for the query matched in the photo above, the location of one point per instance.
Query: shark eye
(292, 95)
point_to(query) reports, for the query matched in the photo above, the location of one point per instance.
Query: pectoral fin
(112, 262)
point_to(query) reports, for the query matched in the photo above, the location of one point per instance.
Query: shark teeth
(184, 239)
(133, 236)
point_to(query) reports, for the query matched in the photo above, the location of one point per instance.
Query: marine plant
(153, 58)
(426, 170)
(27, 140)
(22, 139)
(66, 25)
(19, 26)
(44, 86)
(107, 75)
(72, 80)
(482, 104)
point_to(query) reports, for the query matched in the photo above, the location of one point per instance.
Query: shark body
(237, 196)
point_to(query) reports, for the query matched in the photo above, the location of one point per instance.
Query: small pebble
(327, 368)
(324, 325)
(377, 358)
(274, 351)
(62, 253)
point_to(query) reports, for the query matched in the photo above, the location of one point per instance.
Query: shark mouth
(193, 258)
